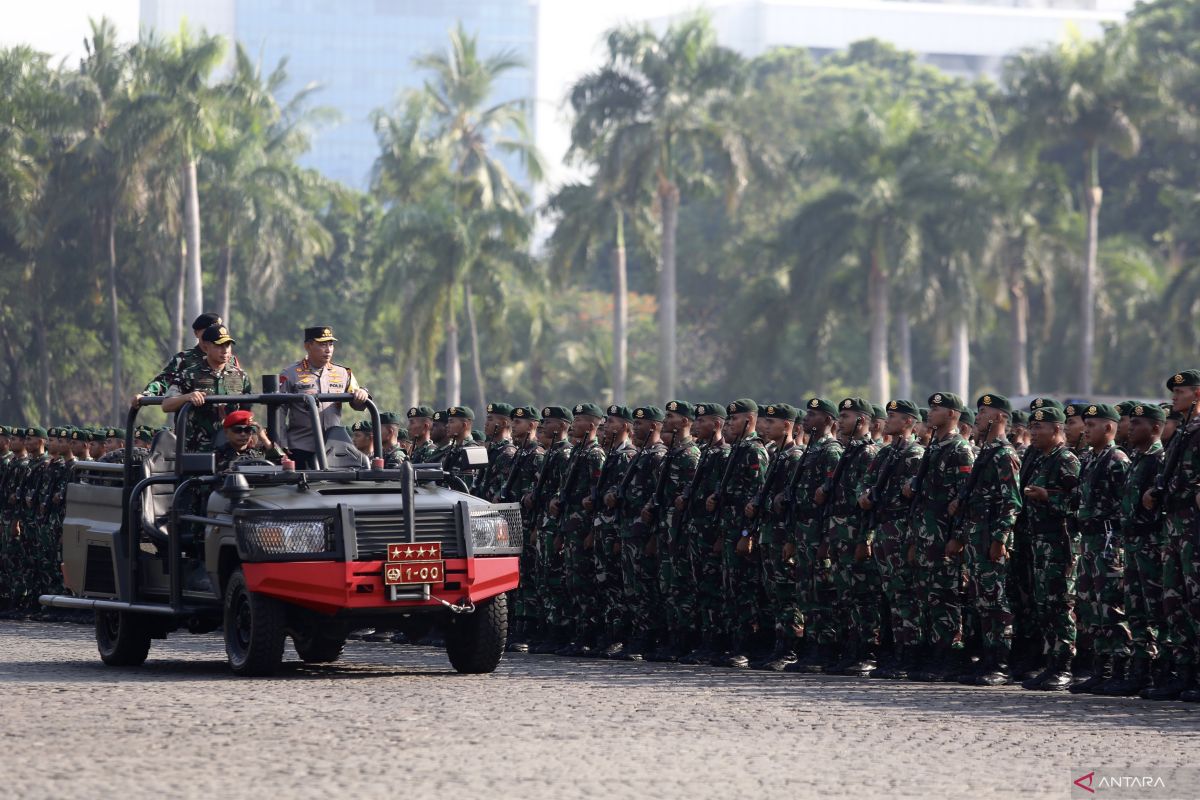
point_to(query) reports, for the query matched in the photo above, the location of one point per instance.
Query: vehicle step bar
(88, 604)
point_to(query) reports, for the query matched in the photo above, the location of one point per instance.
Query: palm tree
(657, 110)
(1079, 95)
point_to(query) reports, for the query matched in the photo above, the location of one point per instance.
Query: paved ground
(397, 721)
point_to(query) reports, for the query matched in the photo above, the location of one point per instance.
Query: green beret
(503, 409)
(1020, 417)
(36, 431)
(620, 412)
(1047, 414)
(742, 406)
(1147, 411)
(905, 407)
(821, 404)
(1045, 402)
(476, 436)
(588, 410)
(78, 435)
(967, 417)
(143, 435)
(389, 418)
(1125, 407)
(683, 408)
(1074, 409)
(362, 426)
(439, 416)
(1102, 411)
(460, 412)
(424, 412)
(402, 435)
(924, 414)
(856, 404)
(877, 412)
(557, 412)
(711, 410)
(526, 412)
(4, 429)
(994, 401)
(778, 411)
(649, 412)
(947, 400)
(1189, 377)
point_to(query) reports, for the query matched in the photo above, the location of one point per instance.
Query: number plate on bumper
(409, 564)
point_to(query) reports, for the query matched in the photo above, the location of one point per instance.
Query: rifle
(609, 449)
(725, 476)
(878, 491)
(801, 468)
(577, 456)
(656, 502)
(518, 464)
(763, 498)
(686, 514)
(923, 470)
(823, 514)
(537, 492)
(1174, 455)
(976, 470)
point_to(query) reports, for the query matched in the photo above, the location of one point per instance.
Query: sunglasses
(243, 428)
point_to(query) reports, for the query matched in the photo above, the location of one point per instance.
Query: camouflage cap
(558, 412)
(420, 412)
(460, 412)
(1102, 411)
(1189, 377)
(947, 400)
(778, 411)
(503, 409)
(711, 410)
(588, 410)
(620, 412)
(877, 412)
(742, 406)
(857, 404)
(652, 413)
(1045, 402)
(997, 401)
(681, 407)
(904, 407)
(1047, 414)
(1147, 411)
(821, 404)
(526, 412)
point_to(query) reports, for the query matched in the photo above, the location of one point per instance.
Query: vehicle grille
(374, 531)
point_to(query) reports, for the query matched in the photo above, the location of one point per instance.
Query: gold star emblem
(395, 551)
(1093, 410)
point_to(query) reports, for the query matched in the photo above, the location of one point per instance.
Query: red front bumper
(332, 586)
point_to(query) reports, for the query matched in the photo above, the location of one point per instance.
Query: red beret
(238, 418)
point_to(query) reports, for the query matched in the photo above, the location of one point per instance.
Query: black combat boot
(807, 656)
(736, 656)
(1083, 666)
(783, 655)
(1191, 691)
(636, 647)
(1056, 677)
(864, 662)
(702, 653)
(996, 672)
(518, 641)
(1130, 681)
(1102, 671)
(937, 669)
(616, 642)
(1168, 684)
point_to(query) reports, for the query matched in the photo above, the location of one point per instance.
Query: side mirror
(476, 456)
(197, 464)
(235, 487)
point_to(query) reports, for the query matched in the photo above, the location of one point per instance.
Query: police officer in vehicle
(316, 374)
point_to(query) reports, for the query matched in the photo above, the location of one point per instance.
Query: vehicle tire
(316, 647)
(122, 638)
(475, 642)
(255, 629)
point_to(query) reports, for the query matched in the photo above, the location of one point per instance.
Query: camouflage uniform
(489, 481)
(675, 584)
(182, 361)
(394, 456)
(989, 516)
(227, 456)
(522, 480)
(701, 533)
(889, 535)
(1020, 570)
(14, 556)
(855, 598)
(575, 602)
(1143, 539)
(742, 574)
(815, 617)
(1055, 545)
(937, 579)
(1101, 600)
(639, 571)
(425, 453)
(606, 542)
(548, 572)
(781, 606)
(1181, 556)
(205, 421)
(32, 524)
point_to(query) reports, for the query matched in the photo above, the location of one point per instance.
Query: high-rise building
(361, 53)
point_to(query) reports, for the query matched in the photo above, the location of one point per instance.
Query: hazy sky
(60, 26)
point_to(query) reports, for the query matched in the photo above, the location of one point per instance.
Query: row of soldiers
(35, 467)
(1055, 547)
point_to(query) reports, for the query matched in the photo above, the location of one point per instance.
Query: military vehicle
(164, 543)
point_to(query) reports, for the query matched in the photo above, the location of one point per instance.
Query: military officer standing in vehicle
(984, 517)
(497, 429)
(606, 531)
(1051, 497)
(1101, 601)
(420, 423)
(185, 359)
(884, 535)
(941, 477)
(779, 608)
(316, 373)
(639, 563)
(216, 375)
(521, 482)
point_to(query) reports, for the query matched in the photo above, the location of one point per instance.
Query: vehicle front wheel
(254, 629)
(122, 638)
(475, 642)
(318, 647)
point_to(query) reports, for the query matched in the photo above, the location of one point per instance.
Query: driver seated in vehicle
(246, 440)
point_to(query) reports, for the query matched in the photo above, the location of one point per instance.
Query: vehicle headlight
(285, 537)
(496, 530)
